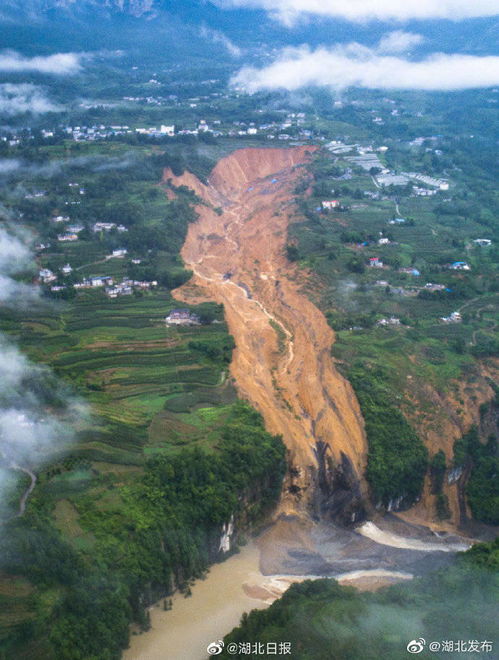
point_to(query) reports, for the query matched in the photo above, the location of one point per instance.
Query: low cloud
(218, 37)
(18, 99)
(355, 65)
(61, 64)
(15, 257)
(36, 411)
(399, 42)
(289, 11)
(12, 169)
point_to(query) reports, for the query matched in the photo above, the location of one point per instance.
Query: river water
(213, 610)
(217, 603)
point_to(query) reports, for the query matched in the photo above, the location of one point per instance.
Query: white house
(182, 317)
(46, 275)
(66, 270)
(330, 204)
(167, 130)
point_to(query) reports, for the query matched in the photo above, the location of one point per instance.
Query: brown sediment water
(214, 608)
(218, 602)
(282, 362)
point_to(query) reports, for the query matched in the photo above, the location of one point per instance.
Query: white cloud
(220, 38)
(358, 66)
(288, 11)
(58, 64)
(17, 99)
(29, 427)
(399, 42)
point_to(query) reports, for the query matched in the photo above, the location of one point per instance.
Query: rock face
(448, 416)
(282, 362)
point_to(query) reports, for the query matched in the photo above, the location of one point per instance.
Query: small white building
(46, 275)
(103, 226)
(182, 317)
(455, 317)
(460, 265)
(66, 270)
(120, 253)
(330, 204)
(390, 321)
(167, 130)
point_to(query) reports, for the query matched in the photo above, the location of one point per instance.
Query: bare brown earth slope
(282, 363)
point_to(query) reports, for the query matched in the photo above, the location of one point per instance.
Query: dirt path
(282, 363)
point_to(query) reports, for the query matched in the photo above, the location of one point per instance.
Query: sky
(394, 63)
(290, 11)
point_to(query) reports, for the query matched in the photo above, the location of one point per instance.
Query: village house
(430, 286)
(182, 317)
(374, 262)
(94, 282)
(459, 265)
(119, 290)
(66, 270)
(410, 271)
(67, 237)
(103, 226)
(75, 229)
(330, 204)
(483, 242)
(455, 317)
(391, 321)
(46, 275)
(119, 253)
(61, 218)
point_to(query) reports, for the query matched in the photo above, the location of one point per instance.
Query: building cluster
(182, 317)
(108, 226)
(391, 321)
(127, 286)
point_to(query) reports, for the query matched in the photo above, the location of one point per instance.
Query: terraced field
(130, 366)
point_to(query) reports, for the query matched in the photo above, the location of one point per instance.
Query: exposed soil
(448, 416)
(282, 362)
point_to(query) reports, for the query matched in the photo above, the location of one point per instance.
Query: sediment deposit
(282, 362)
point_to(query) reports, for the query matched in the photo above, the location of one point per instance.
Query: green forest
(149, 536)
